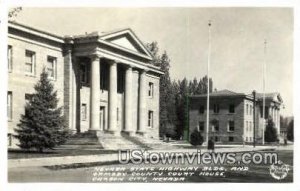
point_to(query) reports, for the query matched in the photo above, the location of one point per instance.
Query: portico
(274, 114)
(112, 86)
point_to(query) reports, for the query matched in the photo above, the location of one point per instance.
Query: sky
(237, 40)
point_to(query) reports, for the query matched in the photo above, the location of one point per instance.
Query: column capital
(95, 57)
(143, 71)
(129, 66)
(112, 62)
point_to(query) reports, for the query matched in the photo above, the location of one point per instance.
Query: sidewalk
(113, 157)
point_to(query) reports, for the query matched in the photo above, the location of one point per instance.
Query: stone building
(231, 115)
(104, 81)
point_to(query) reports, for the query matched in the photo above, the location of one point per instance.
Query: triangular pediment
(126, 39)
(125, 42)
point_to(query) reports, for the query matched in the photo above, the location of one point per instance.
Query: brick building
(231, 115)
(101, 79)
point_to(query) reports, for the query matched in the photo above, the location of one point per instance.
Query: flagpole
(208, 85)
(264, 96)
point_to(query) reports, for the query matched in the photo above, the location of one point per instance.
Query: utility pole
(254, 122)
(208, 67)
(264, 96)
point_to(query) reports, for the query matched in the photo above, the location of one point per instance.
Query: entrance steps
(152, 143)
(85, 141)
(105, 140)
(115, 142)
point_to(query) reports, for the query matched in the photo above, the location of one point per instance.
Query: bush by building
(196, 138)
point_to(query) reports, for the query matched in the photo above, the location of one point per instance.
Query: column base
(73, 131)
(129, 133)
(115, 133)
(141, 133)
(93, 132)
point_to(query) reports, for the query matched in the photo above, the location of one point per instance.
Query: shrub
(270, 132)
(196, 138)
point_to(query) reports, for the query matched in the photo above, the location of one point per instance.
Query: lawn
(58, 152)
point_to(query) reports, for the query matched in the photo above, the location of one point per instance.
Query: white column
(95, 93)
(275, 116)
(74, 93)
(112, 101)
(278, 121)
(128, 100)
(270, 113)
(142, 103)
(278, 114)
(69, 77)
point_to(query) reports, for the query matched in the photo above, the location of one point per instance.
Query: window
(51, 67)
(215, 126)
(28, 97)
(201, 125)
(247, 126)
(230, 139)
(231, 126)
(216, 108)
(216, 139)
(30, 62)
(251, 109)
(9, 57)
(83, 73)
(201, 109)
(150, 91)
(9, 105)
(150, 119)
(231, 108)
(83, 112)
(250, 124)
(9, 137)
(247, 109)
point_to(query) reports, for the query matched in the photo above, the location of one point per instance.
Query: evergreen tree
(181, 106)
(42, 126)
(200, 87)
(204, 86)
(153, 48)
(270, 132)
(290, 131)
(193, 86)
(164, 93)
